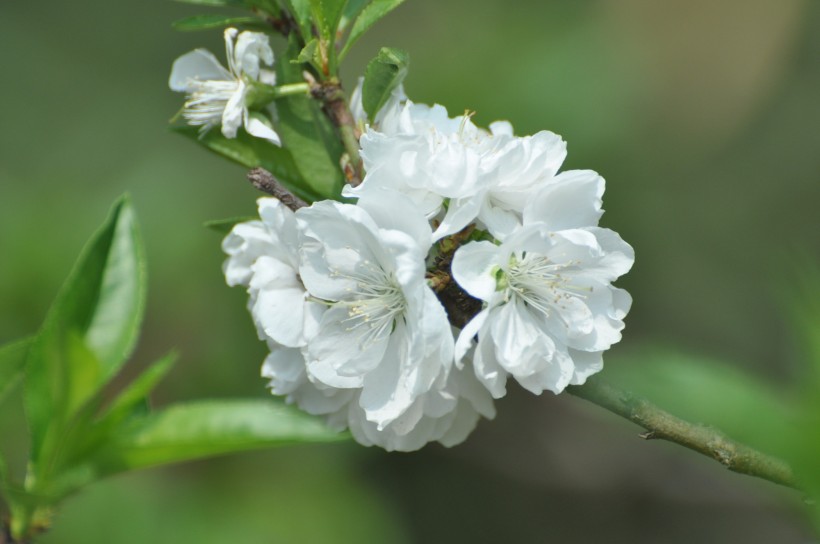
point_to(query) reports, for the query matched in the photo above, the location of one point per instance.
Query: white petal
(472, 268)
(235, 111)
(572, 200)
(258, 128)
(197, 65)
(465, 338)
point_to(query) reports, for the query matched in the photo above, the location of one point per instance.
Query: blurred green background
(702, 116)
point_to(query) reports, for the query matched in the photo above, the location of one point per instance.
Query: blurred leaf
(327, 14)
(203, 22)
(307, 133)
(224, 226)
(134, 398)
(803, 305)
(206, 428)
(352, 9)
(90, 329)
(710, 392)
(233, 3)
(383, 74)
(12, 361)
(368, 17)
(251, 152)
(301, 11)
(308, 54)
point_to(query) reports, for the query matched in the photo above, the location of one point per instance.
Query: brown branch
(267, 183)
(662, 425)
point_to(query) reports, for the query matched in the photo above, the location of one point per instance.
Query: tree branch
(334, 104)
(662, 425)
(267, 183)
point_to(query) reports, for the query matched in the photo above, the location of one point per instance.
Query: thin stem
(335, 106)
(267, 183)
(662, 425)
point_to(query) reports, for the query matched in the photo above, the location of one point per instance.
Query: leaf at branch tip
(184, 432)
(301, 11)
(308, 54)
(383, 74)
(12, 361)
(204, 22)
(351, 11)
(91, 328)
(224, 226)
(368, 17)
(327, 14)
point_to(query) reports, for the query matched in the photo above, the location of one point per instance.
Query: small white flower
(550, 307)
(384, 331)
(216, 95)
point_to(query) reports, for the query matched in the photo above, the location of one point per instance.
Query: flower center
(541, 283)
(207, 102)
(375, 303)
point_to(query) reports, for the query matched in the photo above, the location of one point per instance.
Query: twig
(334, 104)
(662, 425)
(265, 182)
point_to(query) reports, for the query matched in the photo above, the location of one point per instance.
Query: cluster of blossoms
(356, 301)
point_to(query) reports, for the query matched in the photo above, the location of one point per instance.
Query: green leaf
(307, 134)
(12, 361)
(383, 74)
(91, 328)
(368, 17)
(203, 22)
(352, 9)
(252, 152)
(224, 226)
(308, 54)
(301, 11)
(134, 398)
(207, 428)
(327, 14)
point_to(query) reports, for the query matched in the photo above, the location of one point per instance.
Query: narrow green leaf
(91, 328)
(135, 396)
(308, 53)
(12, 361)
(204, 22)
(351, 11)
(207, 428)
(224, 226)
(327, 14)
(383, 74)
(252, 152)
(372, 13)
(301, 12)
(307, 133)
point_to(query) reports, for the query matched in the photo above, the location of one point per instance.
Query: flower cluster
(344, 293)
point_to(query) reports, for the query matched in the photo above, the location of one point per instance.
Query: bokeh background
(702, 116)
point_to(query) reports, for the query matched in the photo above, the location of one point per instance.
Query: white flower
(550, 308)
(384, 331)
(396, 100)
(217, 96)
(420, 151)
